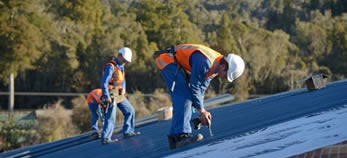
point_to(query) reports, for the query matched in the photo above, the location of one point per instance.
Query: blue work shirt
(108, 73)
(198, 82)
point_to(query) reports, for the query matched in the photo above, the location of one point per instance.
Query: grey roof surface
(228, 121)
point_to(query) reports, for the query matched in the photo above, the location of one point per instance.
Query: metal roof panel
(228, 121)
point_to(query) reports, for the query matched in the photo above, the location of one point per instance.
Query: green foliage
(62, 45)
(225, 38)
(152, 15)
(81, 115)
(337, 7)
(284, 19)
(267, 55)
(312, 39)
(166, 23)
(160, 99)
(15, 135)
(139, 103)
(241, 88)
(51, 124)
(55, 123)
(339, 38)
(20, 40)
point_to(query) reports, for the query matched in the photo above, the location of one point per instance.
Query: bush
(52, 123)
(81, 115)
(15, 135)
(55, 123)
(160, 99)
(137, 99)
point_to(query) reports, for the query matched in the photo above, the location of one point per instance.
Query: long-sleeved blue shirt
(108, 73)
(198, 82)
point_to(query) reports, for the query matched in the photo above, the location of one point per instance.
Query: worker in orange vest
(187, 70)
(94, 103)
(114, 77)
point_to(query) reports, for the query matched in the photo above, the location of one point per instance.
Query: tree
(283, 19)
(20, 40)
(151, 14)
(228, 35)
(267, 54)
(225, 41)
(166, 23)
(337, 60)
(312, 39)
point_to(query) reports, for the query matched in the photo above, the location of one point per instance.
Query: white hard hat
(236, 66)
(126, 53)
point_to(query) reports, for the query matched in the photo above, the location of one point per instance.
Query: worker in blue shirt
(187, 70)
(114, 76)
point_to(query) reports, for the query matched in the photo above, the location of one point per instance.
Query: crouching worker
(113, 93)
(94, 101)
(187, 70)
(95, 108)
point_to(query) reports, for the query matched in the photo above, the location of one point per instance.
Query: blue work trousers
(110, 117)
(181, 99)
(95, 111)
(129, 116)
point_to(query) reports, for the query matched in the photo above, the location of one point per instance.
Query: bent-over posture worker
(95, 108)
(114, 76)
(188, 70)
(94, 101)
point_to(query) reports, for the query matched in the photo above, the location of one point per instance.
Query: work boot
(128, 135)
(95, 135)
(172, 141)
(104, 141)
(185, 139)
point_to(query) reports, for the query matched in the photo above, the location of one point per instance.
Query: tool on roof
(196, 123)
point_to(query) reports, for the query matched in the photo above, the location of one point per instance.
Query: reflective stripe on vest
(208, 52)
(164, 59)
(184, 51)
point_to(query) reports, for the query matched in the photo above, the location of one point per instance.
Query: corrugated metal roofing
(228, 121)
(282, 140)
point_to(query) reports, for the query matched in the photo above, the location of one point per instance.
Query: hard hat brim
(128, 60)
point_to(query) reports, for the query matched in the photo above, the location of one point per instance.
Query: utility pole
(11, 96)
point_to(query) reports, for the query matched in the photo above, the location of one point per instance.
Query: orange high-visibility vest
(117, 76)
(183, 53)
(94, 95)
